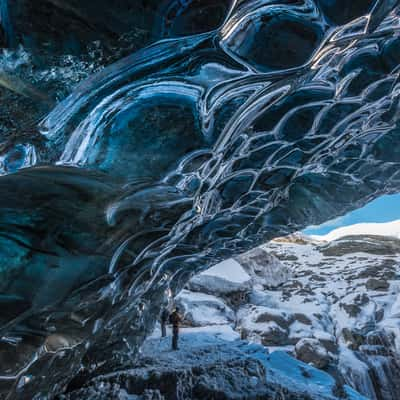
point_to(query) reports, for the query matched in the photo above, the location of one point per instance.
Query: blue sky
(383, 209)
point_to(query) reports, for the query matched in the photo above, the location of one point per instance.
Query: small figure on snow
(175, 319)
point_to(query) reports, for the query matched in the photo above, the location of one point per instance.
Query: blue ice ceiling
(203, 129)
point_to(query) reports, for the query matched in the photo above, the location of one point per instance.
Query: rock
(361, 299)
(213, 370)
(375, 350)
(353, 338)
(283, 257)
(237, 299)
(388, 274)
(379, 314)
(280, 319)
(383, 271)
(352, 309)
(377, 245)
(36, 23)
(302, 318)
(330, 345)
(274, 335)
(311, 351)
(261, 298)
(369, 272)
(201, 309)
(317, 278)
(363, 318)
(224, 278)
(270, 334)
(56, 342)
(293, 284)
(377, 284)
(304, 272)
(264, 268)
(298, 331)
(106, 391)
(265, 325)
(293, 238)
(306, 291)
(326, 287)
(380, 338)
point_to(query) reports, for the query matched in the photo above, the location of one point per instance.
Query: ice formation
(229, 124)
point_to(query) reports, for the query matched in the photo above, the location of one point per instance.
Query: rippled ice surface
(240, 121)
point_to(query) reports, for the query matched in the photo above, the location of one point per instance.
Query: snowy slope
(391, 229)
(336, 305)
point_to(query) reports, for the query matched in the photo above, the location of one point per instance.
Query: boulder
(264, 268)
(201, 309)
(353, 338)
(377, 284)
(265, 325)
(311, 351)
(274, 335)
(351, 309)
(225, 278)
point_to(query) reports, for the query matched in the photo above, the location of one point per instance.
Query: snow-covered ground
(336, 304)
(212, 363)
(352, 286)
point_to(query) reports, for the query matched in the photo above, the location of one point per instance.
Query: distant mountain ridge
(391, 229)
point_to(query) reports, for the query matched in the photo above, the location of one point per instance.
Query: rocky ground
(212, 363)
(314, 318)
(348, 290)
(333, 304)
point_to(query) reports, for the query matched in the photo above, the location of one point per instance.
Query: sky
(383, 209)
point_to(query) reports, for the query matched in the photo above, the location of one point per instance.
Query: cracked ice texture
(223, 133)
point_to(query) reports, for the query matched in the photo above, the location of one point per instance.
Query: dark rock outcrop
(377, 284)
(312, 351)
(211, 370)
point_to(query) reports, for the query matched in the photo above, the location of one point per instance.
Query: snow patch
(391, 229)
(229, 270)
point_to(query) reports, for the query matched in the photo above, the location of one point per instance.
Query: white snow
(395, 309)
(391, 229)
(229, 270)
(299, 330)
(224, 278)
(223, 332)
(199, 335)
(196, 297)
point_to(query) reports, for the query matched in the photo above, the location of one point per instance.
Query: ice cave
(152, 149)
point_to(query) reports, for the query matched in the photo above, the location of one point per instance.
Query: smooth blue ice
(199, 146)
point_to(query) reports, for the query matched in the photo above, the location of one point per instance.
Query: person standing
(175, 319)
(164, 320)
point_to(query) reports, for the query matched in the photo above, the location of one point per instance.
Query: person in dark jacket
(175, 319)
(164, 320)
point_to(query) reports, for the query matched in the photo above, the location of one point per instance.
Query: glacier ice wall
(232, 123)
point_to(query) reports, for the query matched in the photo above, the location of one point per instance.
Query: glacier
(228, 123)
